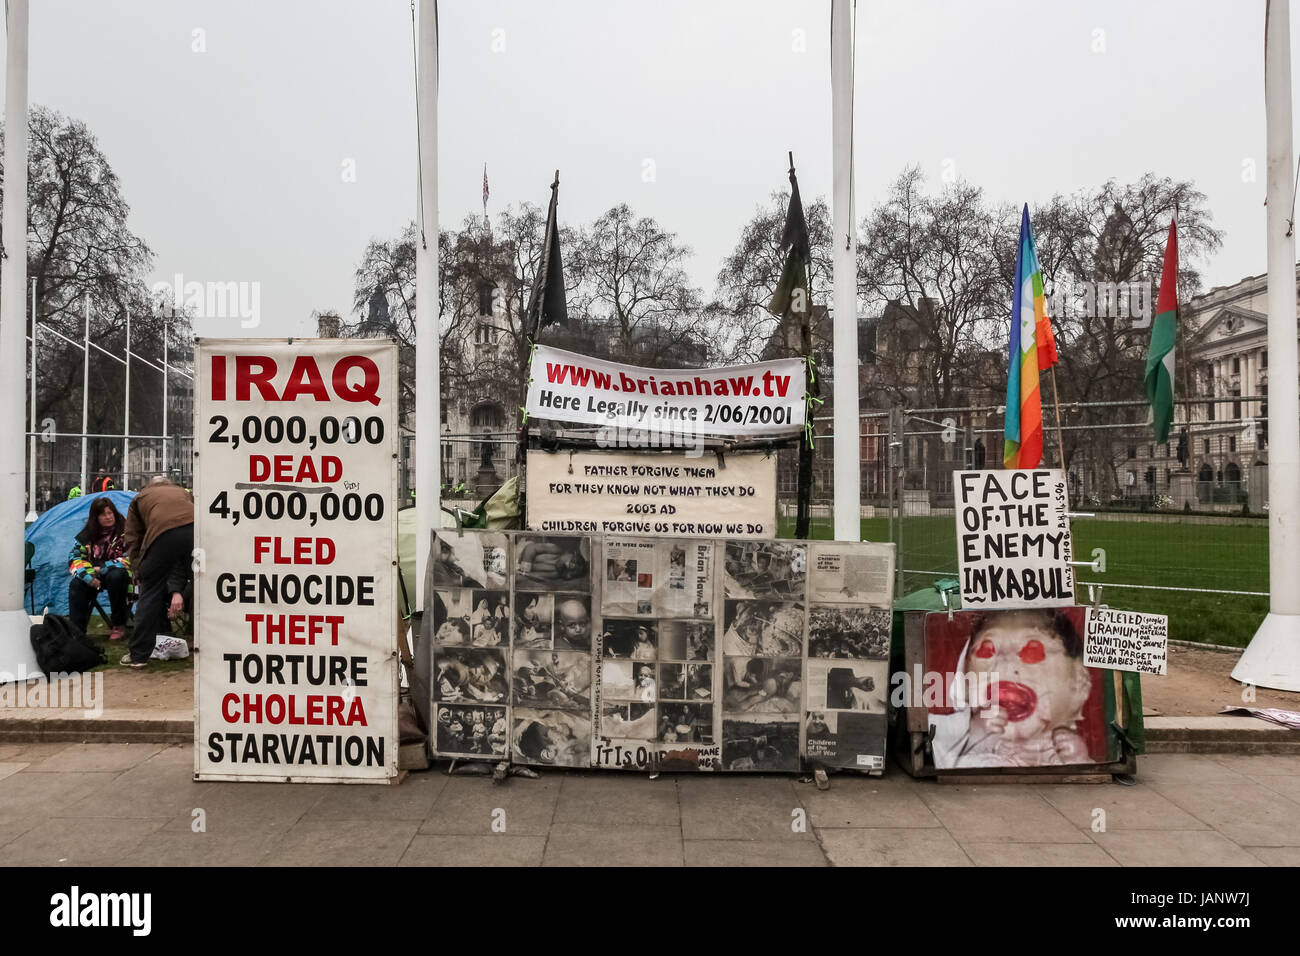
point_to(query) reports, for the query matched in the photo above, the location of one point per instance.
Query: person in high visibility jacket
(74, 492)
(101, 483)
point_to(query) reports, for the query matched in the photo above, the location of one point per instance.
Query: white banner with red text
(295, 469)
(765, 398)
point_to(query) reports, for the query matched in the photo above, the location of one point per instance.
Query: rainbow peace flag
(1032, 347)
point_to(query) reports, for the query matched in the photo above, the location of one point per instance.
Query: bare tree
(81, 253)
(483, 280)
(748, 276)
(1102, 252)
(631, 281)
(932, 260)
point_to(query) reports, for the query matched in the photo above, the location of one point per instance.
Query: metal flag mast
(1272, 659)
(428, 444)
(16, 658)
(844, 271)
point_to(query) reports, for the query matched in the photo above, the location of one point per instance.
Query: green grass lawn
(1175, 554)
(113, 650)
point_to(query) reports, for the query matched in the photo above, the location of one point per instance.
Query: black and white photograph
(618, 679)
(686, 640)
(489, 621)
(845, 739)
(470, 674)
(760, 744)
(672, 681)
(633, 720)
(646, 689)
(552, 563)
(571, 629)
(471, 730)
(635, 640)
(774, 570)
(559, 679)
(762, 628)
(475, 559)
(620, 572)
(451, 612)
(848, 685)
(699, 681)
(551, 738)
(534, 614)
(685, 723)
(852, 632)
(768, 685)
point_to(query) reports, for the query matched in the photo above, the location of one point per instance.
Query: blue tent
(52, 534)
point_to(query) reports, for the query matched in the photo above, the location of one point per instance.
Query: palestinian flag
(1164, 332)
(1022, 432)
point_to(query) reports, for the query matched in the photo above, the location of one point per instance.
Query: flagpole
(1272, 659)
(31, 438)
(1060, 442)
(532, 328)
(803, 500)
(428, 386)
(844, 271)
(85, 398)
(16, 658)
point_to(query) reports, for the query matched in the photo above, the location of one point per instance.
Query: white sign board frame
(296, 456)
(765, 398)
(1138, 642)
(673, 495)
(1013, 538)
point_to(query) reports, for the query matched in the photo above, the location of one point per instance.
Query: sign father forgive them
(1013, 539)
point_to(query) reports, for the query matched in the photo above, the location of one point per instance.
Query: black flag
(793, 294)
(546, 304)
(793, 299)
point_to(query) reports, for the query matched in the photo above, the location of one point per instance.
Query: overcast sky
(234, 156)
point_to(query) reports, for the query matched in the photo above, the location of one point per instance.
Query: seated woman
(98, 562)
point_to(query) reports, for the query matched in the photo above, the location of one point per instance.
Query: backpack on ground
(61, 648)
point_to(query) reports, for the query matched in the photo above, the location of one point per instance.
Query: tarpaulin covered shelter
(52, 535)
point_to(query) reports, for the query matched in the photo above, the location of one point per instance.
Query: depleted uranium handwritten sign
(295, 474)
(1013, 538)
(1126, 640)
(760, 399)
(654, 494)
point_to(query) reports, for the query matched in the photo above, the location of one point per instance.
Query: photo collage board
(659, 653)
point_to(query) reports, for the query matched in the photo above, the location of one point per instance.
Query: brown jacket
(157, 509)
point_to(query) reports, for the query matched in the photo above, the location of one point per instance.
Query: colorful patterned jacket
(83, 558)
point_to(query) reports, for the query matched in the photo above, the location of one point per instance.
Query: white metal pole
(166, 334)
(85, 396)
(848, 446)
(1273, 657)
(31, 421)
(126, 415)
(16, 658)
(427, 385)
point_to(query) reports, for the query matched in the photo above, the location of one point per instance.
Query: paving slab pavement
(138, 804)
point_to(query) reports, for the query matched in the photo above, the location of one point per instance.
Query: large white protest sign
(295, 474)
(761, 399)
(609, 493)
(1126, 640)
(1013, 538)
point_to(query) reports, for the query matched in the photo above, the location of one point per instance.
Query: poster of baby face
(1015, 691)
